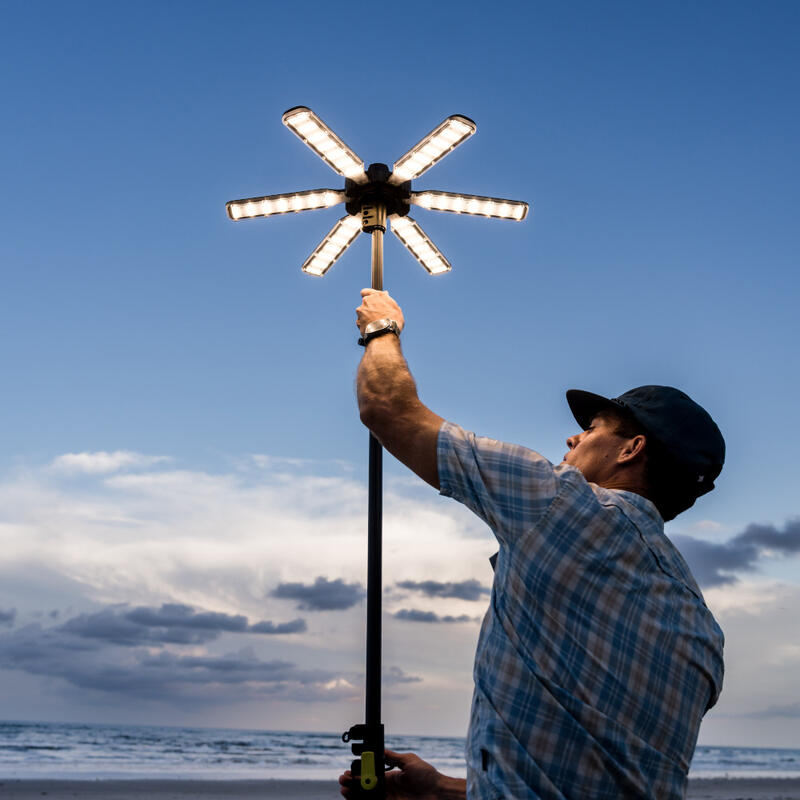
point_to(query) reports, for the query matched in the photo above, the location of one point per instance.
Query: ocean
(69, 750)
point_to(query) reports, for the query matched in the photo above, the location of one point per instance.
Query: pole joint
(377, 191)
(367, 772)
(373, 217)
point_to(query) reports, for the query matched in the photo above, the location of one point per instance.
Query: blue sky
(173, 381)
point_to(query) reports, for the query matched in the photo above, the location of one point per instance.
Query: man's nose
(572, 440)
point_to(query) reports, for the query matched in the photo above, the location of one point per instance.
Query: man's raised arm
(387, 395)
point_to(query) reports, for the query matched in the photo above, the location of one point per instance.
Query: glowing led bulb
(432, 148)
(471, 204)
(419, 245)
(305, 124)
(283, 203)
(330, 249)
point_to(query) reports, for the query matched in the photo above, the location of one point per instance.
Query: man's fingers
(397, 759)
(345, 781)
(377, 304)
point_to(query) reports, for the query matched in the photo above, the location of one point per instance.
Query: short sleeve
(506, 485)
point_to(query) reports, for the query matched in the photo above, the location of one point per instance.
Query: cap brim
(586, 405)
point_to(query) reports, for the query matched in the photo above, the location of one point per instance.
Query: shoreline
(730, 788)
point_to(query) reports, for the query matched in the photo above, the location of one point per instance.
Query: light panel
(304, 123)
(340, 237)
(419, 245)
(272, 204)
(471, 204)
(432, 148)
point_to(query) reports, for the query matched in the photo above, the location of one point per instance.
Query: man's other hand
(415, 780)
(377, 305)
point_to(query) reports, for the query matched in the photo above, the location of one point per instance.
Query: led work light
(377, 187)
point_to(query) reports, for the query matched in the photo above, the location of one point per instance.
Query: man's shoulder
(509, 486)
(452, 432)
(644, 516)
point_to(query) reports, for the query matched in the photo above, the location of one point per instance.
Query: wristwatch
(377, 328)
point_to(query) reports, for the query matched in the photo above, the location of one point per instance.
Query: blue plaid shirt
(598, 656)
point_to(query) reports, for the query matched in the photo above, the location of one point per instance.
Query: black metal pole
(375, 539)
(368, 739)
(374, 583)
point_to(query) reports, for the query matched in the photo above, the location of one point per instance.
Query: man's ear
(633, 449)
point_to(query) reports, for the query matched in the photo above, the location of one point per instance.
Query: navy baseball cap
(683, 429)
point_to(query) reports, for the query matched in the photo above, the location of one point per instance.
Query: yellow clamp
(369, 780)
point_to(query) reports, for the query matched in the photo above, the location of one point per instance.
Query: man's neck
(626, 483)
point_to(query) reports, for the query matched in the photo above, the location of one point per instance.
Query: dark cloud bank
(461, 590)
(121, 651)
(322, 595)
(172, 623)
(182, 680)
(713, 563)
(415, 615)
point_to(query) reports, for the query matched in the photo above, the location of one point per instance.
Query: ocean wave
(62, 750)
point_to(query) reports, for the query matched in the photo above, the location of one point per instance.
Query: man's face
(594, 451)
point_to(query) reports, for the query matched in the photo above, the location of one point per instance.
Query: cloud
(99, 653)
(322, 595)
(759, 701)
(172, 623)
(177, 615)
(217, 542)
(791, 711)
(462, 590)
(293, 626)
(714, 564)
(415, 615)
(101, 462)
(165, 676)
(145, 543)
(223, 540)
(393, 675)
(8, 617)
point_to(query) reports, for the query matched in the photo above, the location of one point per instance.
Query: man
(597, 657)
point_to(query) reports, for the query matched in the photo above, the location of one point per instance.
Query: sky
(183, 471)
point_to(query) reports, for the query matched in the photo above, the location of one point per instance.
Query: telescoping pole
(375, 530)
(370, 782)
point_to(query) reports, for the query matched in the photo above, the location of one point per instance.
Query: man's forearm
(384, 384)
(390, 407)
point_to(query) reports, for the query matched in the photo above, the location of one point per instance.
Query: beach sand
(11, 789)
(167, 790)
(744, 789)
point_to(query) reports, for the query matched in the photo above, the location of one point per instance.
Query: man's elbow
(409, 431)
(387, 419)
(376, 415)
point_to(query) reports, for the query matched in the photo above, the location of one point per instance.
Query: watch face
(377, 325)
